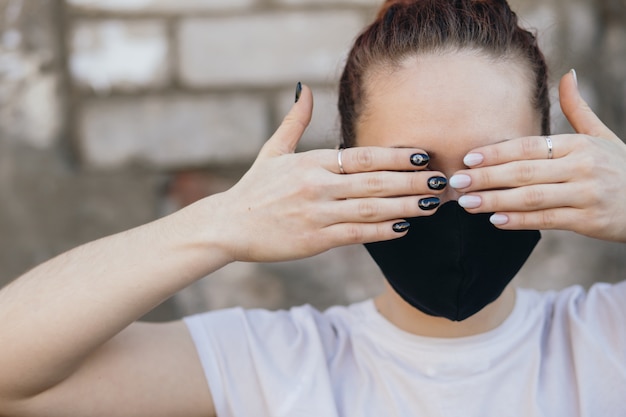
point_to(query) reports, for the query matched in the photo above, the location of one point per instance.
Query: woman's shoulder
(303, 324)
(578, 300)
(582, 316)
(602, 305)
(266, 352)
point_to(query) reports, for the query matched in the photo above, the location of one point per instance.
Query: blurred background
(116, 112)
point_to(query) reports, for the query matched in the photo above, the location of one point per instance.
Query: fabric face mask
(452, 264)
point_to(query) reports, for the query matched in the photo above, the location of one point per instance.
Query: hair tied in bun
(388, 9)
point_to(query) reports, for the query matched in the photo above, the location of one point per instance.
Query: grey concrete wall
(116, 112)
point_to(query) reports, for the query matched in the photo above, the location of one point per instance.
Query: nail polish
(472, 159)
(401, 227)
(573, 71)
(499, 219)
(298, 91)
(420, 159)
(460, 181)
(437, 183)
(470, 201)
(429, 203)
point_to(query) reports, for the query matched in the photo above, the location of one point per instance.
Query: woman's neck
(409, 319)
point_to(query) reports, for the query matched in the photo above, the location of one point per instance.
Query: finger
(578, 112)
(513, 174)
(574, 219)
(375, 210)
(389, 184)
(286, 138)
(531, 198)
(549, 219)
(369, 159)
(524, 148)
(342, 234)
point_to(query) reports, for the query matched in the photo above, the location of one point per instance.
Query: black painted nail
(420, 159)
(298, 91)
(401, 227)
(437, 183)
(429, 203)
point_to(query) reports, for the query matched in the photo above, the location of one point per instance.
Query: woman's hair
(405, 28)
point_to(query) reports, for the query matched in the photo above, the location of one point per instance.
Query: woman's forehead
(452, 102)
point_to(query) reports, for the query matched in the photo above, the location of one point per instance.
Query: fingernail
(420, 159)
(470, 201)
(401, 227)
(298, 91)
(429, 203)
(472, 159)
(437, 183)
(573, 71)
(460, 181)
(499, 219)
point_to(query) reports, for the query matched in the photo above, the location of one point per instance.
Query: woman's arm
(56, 317)
(67, 346)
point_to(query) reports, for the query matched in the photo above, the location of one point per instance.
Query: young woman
(447, 173)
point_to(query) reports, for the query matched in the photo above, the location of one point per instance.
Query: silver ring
(340, 161)
(549, 143)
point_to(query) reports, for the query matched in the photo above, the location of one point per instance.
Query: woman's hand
(582, 189)
(293, 205)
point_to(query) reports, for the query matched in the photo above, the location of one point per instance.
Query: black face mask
(452, 264)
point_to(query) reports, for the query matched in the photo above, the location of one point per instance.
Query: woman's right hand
(293, 205)
(287, 206)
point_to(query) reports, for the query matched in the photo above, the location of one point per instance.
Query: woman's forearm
(56, 314)
(287, 206)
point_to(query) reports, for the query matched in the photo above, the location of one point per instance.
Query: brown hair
(405, 28)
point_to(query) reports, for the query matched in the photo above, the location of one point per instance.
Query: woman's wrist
(201, 231)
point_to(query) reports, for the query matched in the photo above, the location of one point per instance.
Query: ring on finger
(550, 147)
(340, 161)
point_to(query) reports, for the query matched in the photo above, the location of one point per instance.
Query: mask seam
(462, 266)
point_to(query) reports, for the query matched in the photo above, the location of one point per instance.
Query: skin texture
(75, 349)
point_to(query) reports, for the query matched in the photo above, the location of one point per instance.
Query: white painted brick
(120, 54)
(323, 132)
(582, 28)
(544, 20)
(160, 6)
(37, 114)
(30, 104)
(266, 49)
(172, 131)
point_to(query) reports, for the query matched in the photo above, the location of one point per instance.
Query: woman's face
(447, 105)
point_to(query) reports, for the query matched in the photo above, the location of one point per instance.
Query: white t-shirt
(557, 354)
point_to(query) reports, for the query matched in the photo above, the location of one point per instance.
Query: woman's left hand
(582, 188)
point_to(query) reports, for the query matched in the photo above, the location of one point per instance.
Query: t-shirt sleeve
(261, 363)
(597, 318)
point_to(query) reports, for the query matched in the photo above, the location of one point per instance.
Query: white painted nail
(573, 71)
(460, 181)
(499, 219)
(470, 201)
(472, 159)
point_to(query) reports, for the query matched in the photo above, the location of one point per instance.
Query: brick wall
(203, 82)
(118, 111)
